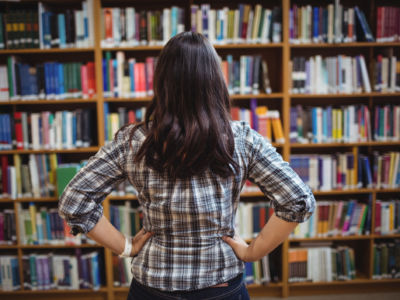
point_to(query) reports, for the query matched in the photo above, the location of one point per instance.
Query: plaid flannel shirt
(188, 217)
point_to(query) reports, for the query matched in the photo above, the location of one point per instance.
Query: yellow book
(355, 167)
(17, 165)
(256, 22)
(391, 218)
(53, 168)
(391, 168)
(339, 124)
(334, 130)
(32, 213)
(276, 126)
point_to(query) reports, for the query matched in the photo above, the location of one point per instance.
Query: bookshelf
(281, 98)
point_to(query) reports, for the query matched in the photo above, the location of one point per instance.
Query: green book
(362, 224)
(10, 76)
(64, 175)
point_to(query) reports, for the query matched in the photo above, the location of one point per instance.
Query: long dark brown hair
(188, 121)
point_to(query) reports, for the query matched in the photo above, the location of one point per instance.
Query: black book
(143, 27)
(55, 40)
(122, 25)
(40, 80)
(86, 125)
(78, 114)
(70, 27)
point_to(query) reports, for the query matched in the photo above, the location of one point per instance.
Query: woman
(188, 161)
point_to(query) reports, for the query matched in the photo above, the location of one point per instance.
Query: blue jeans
(236, 290)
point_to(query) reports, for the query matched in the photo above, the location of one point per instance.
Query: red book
(85, 83)
(4, 167)
(235, 113)
(137, 79)
(150, 75)
(131, 116)
(142, 79)
(263, 217)
(108, 23)
(378, 217)
(379, 28)
(18, 130)
(385, 22)
(91, 79)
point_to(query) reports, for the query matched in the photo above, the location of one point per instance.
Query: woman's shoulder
(241, 129)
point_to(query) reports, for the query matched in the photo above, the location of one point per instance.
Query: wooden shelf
(75, 150)
(50, 246)
(345, 45)
(331, 238)
(125, 197)
(341, 282)
(43, 199)
(388, 236)
(41, 102)
(41, 51)
(355, 144)
(355, 95)
(232, 97)
(226, 46)
(8, 247)
(29, 292)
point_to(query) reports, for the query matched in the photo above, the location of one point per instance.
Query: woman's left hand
(139, 240)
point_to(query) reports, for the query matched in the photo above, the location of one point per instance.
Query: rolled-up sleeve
(80, 203)
(291, 199)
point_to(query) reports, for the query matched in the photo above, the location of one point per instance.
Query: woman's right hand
(139, 240)
(239, 246)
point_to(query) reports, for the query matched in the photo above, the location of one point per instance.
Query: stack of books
(50, 81)
(244, 24)
(127, 27)
(347, 124)
(387, 217)
(336, 218)
(331, 24)
(386, 260)
(46, 271)
(340, 74)
(47, 130)
(314, 263)
(9, 273)
(387, 26)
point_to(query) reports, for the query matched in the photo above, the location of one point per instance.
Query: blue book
(368, 172)
(364, 24)
(138, 115)
(106, 112)
(95, 271)
(205, 8)
(61, 80)
(132, 76)
(56, 83)
(115, 67)
(324, 125)
(40, 120)
(256, 218)
(249, 275)
(293, 125)
(74, 129)
(241, 16)
(397, 182)
(314, 124)
(315, 24)
(254, 117)
(61, 30)
(48, 227)
(174, 21)
(329, 121)
(64, 129)
(105, 75)
(46, 79)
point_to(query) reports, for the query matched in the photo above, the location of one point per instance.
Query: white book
(39, 224)
(211, 25)
(74, 272)
(130, 25)
(166, 24)
(116, 13)
(225, 19)
(236, 38)
(68, 127)
(266, 26)
(327, 171)
(393, 63)
(364, 74)
(79, 29)
(313, 171)
(34, 175)
(199, 21)
(338, 22)
(243, 74)
(334, 173)
(85, 20)
(35, 131)
(354, 87)
(120, 72)
(41, 10)
(90, 12)
(318, 75)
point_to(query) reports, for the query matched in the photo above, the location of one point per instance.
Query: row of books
(47, 130)
(352, 123)
(251, 218)
(43, 225)
(386, 73)
(126, 219)
(386, 263)
(331, 24)
(8, 235)
(248, 75)
(129, 26)
(44, 28)
(9, 273)
(387, 217)
(244, 24)
(127, 78)
(336, 218)
(47, 271)
(387, 24)
(321, 264)
(346, 124)
(386, 170)
(115, 120)
(329, 75)
(51, 81)
(262, 271)
(261, 119)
